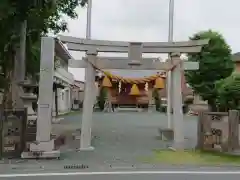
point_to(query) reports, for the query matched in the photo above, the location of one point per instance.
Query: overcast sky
(147, 20)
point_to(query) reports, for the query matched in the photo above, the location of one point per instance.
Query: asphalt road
(132, 176)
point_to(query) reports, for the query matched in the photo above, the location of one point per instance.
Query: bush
(229, 92)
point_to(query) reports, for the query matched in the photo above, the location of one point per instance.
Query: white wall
(77, 92)
(64, 100)
(64, 95)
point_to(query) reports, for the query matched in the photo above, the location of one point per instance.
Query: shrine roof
(134, 73)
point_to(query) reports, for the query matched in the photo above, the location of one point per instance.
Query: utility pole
(169, 75)
(89, 25)
(89, 20)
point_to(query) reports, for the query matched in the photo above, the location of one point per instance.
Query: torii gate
(136, 62)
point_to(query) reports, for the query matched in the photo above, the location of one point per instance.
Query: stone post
(178, 125)
(46, 89)
(85, 141)
(200, 130)
(150, 101)
(233, 136)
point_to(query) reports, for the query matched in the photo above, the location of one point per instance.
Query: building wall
(237, 67)
(64, 95)
(77, 92)
(64, 101)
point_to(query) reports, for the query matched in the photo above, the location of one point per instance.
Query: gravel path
(120, 140)
(123, 138)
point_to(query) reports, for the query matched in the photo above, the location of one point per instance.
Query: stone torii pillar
(88, 103)
(176, 96)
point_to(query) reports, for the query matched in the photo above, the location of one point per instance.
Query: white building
(64, 79)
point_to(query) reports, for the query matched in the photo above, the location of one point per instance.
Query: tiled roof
(127, 73)
(236, 57)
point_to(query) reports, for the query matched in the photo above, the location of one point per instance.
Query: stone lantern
(29, 98)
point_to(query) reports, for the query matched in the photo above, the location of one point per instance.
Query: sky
(147, 20)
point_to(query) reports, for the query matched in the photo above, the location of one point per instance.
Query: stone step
(131, 109)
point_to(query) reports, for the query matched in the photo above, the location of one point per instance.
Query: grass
(191, 158)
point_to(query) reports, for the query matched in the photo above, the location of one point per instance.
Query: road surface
(134, 175)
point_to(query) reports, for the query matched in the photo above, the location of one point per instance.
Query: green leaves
(102, 97)
(42, 16)
(155, 94)
(229, 91)
(215, 63)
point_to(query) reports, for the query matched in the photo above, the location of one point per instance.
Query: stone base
(166, 134)
(56, 120)
(177, 146)
(198, 107)
(90, 148)
(76, 135)
(234, 153)
(32, 117)
(40, 150)
(42, 146)
(127, 109)
(140, 110)
(41, 155)
(151, 108)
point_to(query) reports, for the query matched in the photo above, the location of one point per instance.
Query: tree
(229, 92)
(42, 17)
(102, 97)
(215, 63)
(157, 98)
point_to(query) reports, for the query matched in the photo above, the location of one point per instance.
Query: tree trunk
(22, 51)
(7, 96)
(8, 73)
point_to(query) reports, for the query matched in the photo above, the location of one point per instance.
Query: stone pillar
(85, 141)
(202, 120)
(169, 88)
(233, 136)
(178, 125)
(109, 99)
(44, 148)
(149, 99)
(45, 89)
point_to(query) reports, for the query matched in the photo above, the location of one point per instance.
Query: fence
(12, 128)
(218, 131)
